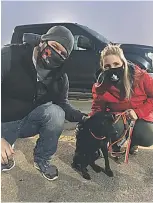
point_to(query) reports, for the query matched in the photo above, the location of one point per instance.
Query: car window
(150, 55)
(76, 44)
(151, 74)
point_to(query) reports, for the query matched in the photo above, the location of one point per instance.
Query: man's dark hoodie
(21, 90)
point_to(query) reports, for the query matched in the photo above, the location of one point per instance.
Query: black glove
(85, 117)
(80, 125)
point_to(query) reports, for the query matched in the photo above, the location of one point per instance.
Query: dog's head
(101, 125)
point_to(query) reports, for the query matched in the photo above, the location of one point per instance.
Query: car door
(81, 66)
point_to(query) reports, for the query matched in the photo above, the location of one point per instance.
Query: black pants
(142, 132)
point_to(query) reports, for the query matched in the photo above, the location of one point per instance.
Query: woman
(123, 86)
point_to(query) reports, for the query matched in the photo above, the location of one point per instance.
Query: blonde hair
(111, 49)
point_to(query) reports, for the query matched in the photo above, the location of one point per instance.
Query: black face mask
(114, 75)
(49, 59)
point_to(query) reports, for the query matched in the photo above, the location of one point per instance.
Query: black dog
(93, 136)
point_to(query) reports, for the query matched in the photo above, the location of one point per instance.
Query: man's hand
(79, 126)
(6, 151)
(131, 114)
(85, 117)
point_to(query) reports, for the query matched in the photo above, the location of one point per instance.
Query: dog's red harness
(128, 129)
(97, 138)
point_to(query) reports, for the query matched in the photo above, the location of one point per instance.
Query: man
(35, 97)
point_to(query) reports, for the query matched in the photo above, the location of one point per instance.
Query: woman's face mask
(114, 74)
(114, 69)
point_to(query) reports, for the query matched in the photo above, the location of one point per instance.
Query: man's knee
(54, 115)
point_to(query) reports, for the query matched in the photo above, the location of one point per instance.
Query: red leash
(129, 141)
(97, 138)
(130, 132)
(131, 127)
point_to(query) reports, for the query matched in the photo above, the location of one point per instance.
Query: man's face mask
(114, 74)
(50, 59)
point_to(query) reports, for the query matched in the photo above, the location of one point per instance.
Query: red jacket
(141, 101)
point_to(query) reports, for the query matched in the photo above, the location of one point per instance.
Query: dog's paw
(86, 176)
(96, 168)
(109, 172)
(73, 165)
(76, 166)
(81, 170)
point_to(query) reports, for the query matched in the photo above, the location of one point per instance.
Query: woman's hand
(131, 114)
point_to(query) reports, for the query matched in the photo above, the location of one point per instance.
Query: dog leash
(128, 129)
(125, 127)
(132, 124)
(124, 121)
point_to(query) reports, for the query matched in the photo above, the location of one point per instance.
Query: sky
(123, 22)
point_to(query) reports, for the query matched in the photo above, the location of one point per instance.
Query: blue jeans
(46, 120)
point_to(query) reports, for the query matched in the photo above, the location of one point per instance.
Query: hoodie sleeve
(97, 103)
(147, 107)
(71, 114)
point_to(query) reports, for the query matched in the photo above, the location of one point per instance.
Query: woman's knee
(143, 133)
(147, 143)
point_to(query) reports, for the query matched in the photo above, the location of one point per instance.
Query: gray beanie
(61, 35)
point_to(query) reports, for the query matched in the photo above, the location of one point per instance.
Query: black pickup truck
(84, 60)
